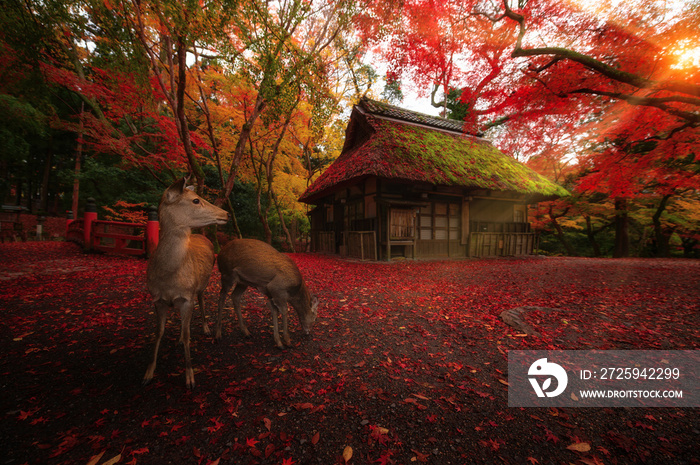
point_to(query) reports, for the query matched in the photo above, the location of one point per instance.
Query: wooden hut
(412, 185)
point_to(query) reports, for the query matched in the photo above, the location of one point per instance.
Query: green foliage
(21, 124)
(456, 109)
(105, 180)
(290, 218)
(244, 200)
(679, 223)
(551, 245)
(392, 91)
(29, 148)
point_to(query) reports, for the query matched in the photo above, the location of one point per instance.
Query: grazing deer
(249, 262)
(180, 267)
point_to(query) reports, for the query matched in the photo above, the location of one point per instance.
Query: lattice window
(401, 223)
(439, 221)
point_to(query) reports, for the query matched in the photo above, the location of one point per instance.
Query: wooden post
(90, 216)
(362, 246)
(388, 233)
(152, 230)
(69, 220)
(374, 243)
(40, 227)
(415, 234)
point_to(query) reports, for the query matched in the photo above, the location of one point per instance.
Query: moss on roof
(407, 152)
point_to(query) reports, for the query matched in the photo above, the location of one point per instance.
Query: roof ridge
(377, 108)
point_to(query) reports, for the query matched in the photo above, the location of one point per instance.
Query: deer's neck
(302, 299)
(173, 244)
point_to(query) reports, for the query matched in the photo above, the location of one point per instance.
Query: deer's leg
(226, 285)
(205, 326)
(161, 313)
(279, 307)
(185, 307)
(275, 324)
(237, 297)
(282, 308)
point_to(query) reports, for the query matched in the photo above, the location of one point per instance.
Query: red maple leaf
(551, 437)
(24, 415)
(385, 458)
(217, 425)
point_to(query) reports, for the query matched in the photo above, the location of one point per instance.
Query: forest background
(114, 99)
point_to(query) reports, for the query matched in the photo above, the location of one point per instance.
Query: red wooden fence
(113, 236)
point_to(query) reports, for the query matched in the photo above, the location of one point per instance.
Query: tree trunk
(174, 90)
(238, 152)
(262, 214)
(18, 192)
(44, 195)
(662, 240)
(181, 118)
(269, 171)
(622, 238)
(560, 233)
(591, 237)
(287, 234)
(217, 154)
(77, 167)
(690, 249)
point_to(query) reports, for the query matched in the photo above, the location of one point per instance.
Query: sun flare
(687, 57)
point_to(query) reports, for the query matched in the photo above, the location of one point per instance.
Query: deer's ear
(175, 190)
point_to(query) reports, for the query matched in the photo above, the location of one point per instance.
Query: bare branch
(660, 103)
(560, 53)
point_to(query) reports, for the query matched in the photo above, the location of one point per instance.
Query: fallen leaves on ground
(407, 363)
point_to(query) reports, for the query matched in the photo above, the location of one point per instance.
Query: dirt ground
(407, 363)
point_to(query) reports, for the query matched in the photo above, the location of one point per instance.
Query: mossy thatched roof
(401, 148)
